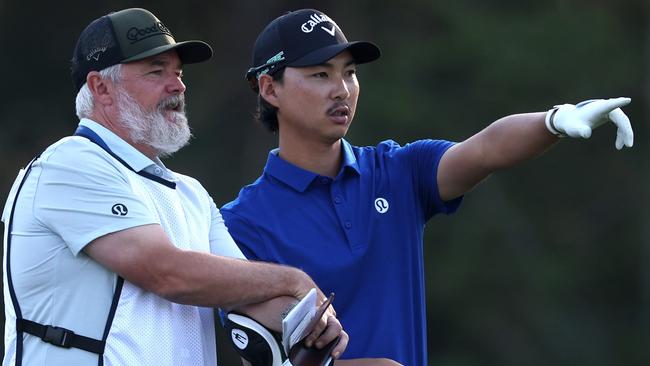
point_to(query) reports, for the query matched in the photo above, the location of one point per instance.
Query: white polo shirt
(75, 193)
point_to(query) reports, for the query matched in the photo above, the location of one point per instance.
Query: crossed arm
(144, 256)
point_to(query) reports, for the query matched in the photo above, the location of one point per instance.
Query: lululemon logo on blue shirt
(119, 209)
(381, 205)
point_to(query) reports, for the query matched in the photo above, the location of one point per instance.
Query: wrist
(302, 283)
(549, 120)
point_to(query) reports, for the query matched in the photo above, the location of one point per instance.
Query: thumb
(578, 130)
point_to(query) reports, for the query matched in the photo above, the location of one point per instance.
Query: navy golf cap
(305, 37)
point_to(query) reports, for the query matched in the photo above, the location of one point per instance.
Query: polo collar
(349, 159)
(298, 178)
(137, 160)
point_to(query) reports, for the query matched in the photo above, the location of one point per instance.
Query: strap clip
(58, 336)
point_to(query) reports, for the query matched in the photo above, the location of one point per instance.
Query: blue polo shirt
(358, 235)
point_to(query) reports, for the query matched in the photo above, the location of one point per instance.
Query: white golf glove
(580, 119)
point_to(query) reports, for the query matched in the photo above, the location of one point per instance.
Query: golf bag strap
(54, 335)
(60, 337)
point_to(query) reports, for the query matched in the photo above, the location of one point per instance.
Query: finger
(341, 346)
(331, 311)
(332, 331)
(604, 106)
(624, 133)
(576, 130)
(320, 295)
(624, 141)
(317, 331)
(619, 142)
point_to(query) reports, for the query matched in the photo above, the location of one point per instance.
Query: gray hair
(84, 102)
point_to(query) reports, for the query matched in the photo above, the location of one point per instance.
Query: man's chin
(339, 133)
(176, 118)
(167, 151)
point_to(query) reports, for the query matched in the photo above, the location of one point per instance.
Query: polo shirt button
(324, 180)
(337, 199)
(348, 224)
(157, 171)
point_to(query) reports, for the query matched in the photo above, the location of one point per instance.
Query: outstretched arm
(520, 137)
(504, 143)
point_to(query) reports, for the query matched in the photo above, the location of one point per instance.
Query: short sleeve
(423, 158)
(83, 193)
(221, 243)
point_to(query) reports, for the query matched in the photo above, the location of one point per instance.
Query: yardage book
(295, 323)
(298, 323)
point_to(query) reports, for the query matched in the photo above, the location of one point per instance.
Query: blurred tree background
(547, 263)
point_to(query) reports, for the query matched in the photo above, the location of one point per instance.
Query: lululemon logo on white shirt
(239, 338)
(381, 205)
(119, 209)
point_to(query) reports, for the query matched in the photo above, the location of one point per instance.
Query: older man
(108, 252)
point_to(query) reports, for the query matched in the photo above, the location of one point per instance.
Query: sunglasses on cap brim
(253, 74)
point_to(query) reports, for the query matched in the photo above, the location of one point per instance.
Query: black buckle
(58, 336)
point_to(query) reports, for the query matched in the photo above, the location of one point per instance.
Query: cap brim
(361, 51)
(189, 52)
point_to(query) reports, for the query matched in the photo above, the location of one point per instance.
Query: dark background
(547, 263)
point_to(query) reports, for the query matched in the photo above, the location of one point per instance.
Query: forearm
(269, 313)
(504, 143)
(512, 140)
(144, 256)
(208, 280)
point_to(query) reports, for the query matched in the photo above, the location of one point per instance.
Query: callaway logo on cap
(302, 38)
(125, 36)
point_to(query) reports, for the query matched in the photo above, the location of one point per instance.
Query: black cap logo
(136, 34)
(95, 53)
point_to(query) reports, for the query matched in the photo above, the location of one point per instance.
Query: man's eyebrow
(158, 62)
(330, 65)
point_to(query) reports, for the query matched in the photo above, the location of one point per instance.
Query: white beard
(165, 135)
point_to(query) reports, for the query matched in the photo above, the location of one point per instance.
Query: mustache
(174, 102)
(336, 106)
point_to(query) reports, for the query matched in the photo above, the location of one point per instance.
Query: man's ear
(101, 89)
(268, 89)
